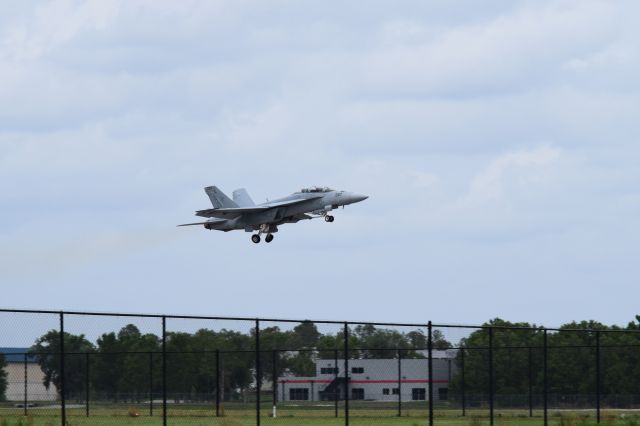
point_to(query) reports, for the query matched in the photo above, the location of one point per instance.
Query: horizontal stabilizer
(192, 224)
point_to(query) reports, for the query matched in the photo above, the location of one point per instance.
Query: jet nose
(359, 197)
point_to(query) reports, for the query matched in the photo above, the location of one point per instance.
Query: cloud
(53, 24)
(517, 171)
(519, 51)
(496, 142)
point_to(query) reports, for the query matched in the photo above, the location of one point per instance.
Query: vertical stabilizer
(242, 198)
(218, 198)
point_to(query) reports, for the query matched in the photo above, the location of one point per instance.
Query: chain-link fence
(91, 368)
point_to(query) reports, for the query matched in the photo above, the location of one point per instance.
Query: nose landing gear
(255, 238)
(328, 218)
(269, 238)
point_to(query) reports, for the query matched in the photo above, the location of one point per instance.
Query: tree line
(518, 359)
(127, 365)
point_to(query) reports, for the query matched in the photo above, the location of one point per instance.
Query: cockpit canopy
(316, 189)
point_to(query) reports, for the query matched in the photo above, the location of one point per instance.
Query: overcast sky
(497, 140)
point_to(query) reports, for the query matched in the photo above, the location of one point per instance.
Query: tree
(120, 366)
(305, 335)
(106, 368)
(236, 360)
(3, 377)
(439, 341)
(182, 365)
(510, 358)
(301, 364)
(47, 352)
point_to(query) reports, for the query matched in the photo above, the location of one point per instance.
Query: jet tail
(241, 197)
(218, 198)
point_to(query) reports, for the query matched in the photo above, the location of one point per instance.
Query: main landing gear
(328, 218)
(256, 238)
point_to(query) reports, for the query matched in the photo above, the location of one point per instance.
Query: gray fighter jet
(242, 213)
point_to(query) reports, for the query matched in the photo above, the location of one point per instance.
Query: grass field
(104, 418)
(289, 421)
(301, 416)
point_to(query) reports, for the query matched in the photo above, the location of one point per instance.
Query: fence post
(336, 391)
(399, 382)
(598, 383)
(63, 408)
(86, 384)
(430, 367)
(544, 377)
(275, 383)
(530, 382)
(151, 384)
(258, 373)
(217, 382)
(464, 402)
(346, 374)
(164, 370)
(491, 390)
(26, 399)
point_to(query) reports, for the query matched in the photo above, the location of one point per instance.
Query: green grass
(289, 421)
(243, 415)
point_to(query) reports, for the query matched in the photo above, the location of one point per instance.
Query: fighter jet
(242, 213)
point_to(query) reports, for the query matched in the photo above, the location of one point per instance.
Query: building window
(298, 394)
(418, 394)
(443, 394)
(357, 393)
(396, 391)
(385, 391)
(328, 370)
(357, 370)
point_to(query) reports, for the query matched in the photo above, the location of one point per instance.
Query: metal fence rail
(168, 367)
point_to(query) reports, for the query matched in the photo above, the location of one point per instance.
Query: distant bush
(570, 419)
(3, 377)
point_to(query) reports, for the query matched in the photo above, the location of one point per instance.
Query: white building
(372, 379)
(17, 367)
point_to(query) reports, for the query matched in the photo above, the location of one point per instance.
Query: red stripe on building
(362, 381)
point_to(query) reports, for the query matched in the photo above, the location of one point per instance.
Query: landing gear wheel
(328, 218)
(255, 238)
(269, 238)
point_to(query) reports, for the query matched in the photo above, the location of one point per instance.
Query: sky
(497, 142)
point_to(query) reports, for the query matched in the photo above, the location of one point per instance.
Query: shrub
(609, 418)
(569, 419)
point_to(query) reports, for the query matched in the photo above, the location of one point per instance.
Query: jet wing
(230, 213)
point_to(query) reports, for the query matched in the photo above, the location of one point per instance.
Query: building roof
(17, 355)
